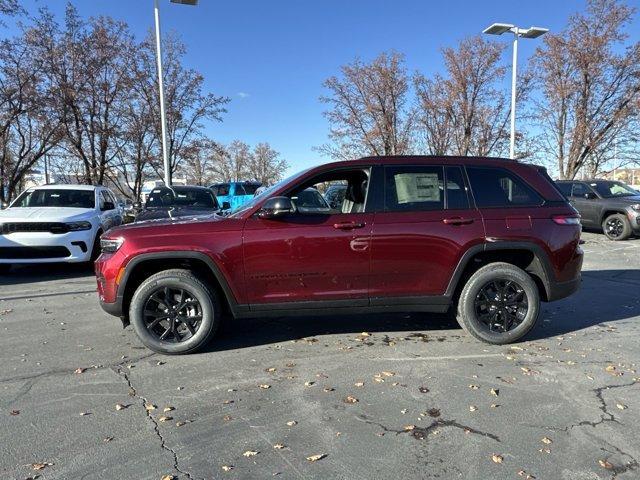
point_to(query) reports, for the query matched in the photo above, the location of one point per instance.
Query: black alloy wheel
(501, 305)
(172, 314)
(614, 227)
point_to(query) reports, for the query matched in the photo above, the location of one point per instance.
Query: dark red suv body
(412, 235)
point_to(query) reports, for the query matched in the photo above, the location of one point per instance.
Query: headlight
(77, 226)
(111, 245)
(636, 207)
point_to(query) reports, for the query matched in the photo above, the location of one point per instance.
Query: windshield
(56, 198)
(258, 198)
(613, 189)
(182, 197)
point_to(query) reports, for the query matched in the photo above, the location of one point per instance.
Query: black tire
(200, 294)
(616, 227)
(519, 318)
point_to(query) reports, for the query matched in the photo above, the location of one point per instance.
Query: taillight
(566, 219)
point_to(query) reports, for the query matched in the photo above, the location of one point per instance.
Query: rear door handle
(457, 221)
(348, 225)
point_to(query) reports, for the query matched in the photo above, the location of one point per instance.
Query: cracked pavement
(567, 403)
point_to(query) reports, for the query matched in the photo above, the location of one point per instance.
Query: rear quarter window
(497, 187)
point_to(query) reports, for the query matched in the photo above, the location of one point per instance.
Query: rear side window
(580, 190)
(416, 188)
(456, 191)
(496, 187)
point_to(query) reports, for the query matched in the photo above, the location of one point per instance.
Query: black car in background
(610, 205)
(178, 201)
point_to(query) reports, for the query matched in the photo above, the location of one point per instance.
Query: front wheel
(616, 227)
(173, 312)
(499, 304)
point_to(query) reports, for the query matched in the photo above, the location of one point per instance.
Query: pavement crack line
(163, 444)
(420, 433)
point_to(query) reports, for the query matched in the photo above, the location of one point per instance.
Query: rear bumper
(559, 290)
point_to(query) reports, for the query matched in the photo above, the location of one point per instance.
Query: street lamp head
(533, 32)
(185, 2)
(498, 28)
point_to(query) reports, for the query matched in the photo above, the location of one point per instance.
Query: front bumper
(44, 247)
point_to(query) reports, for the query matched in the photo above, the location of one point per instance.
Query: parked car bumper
(43, 247)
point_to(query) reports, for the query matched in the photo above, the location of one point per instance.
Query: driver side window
(332, 193)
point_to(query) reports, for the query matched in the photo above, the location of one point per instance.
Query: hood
(170, 226)
(45, 214)
(631, 200)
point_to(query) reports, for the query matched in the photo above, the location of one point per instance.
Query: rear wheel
(499, 304)
(616, 227)
(173, 312)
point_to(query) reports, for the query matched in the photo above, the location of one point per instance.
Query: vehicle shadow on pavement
(21, 274)
(242, 333)
(605, 296)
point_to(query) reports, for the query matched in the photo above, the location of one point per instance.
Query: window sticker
(417, 187)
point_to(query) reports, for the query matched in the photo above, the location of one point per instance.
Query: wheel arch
(611, 211)
(525, 255)
(145, 265)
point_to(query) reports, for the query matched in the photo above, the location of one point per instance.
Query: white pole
(512, 147)
(163, 120)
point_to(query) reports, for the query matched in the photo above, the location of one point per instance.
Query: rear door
(588, 207)
(426, 224)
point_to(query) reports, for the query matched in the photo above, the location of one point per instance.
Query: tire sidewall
(477, 282)
(201, 293)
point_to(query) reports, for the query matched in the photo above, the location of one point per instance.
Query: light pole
(531, 32)
(163, 118)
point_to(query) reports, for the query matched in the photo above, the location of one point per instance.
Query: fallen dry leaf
(433, 412)
(168, 477)
(14, 412)
(278, 446)
(167, 409)
(227, 468)
(495, 392)
(149, 407)
(423, 389)
(605, 464)
(41, 466)
(84, 414)
(315, 458)
(494, 405)
(270, 369)
(546, 440)
(120, 406)
(250, 453)
(180, 424)
(328, 389)
(388, 374)
(309, 384)
(291, 423)
(474, 387)
(350, 399)
(107, 439)
(227, 418)
(621, 406)
(610, 368)
(497, 458)
(79, 370)
(408, 428)
(359, 384)
(365, 334)
(164, 419)
(264, 386)
(472, 408)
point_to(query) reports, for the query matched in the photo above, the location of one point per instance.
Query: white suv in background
(56, 223)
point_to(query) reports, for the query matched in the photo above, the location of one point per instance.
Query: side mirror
(108, 206)
(226, 206)
(276, 207)
(590, 196)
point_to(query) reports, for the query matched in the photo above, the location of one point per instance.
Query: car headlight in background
(636, 207)
(78, 226)
(111, 245)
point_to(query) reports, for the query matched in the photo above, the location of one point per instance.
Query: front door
(316, 254)
(585, 200)
(420, 235)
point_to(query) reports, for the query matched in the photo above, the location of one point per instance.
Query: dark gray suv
(610, 205)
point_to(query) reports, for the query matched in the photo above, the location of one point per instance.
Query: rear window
(496, 187)
(193, 198)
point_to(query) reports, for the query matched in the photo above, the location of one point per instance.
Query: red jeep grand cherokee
(490, 237)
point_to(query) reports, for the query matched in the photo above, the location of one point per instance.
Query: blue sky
(271, 57)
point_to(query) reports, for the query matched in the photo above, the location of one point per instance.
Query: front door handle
(457, 221)
(348, 225)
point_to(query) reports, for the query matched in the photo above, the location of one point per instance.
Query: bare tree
(265, 164)
(10, 8)
(199, 165)
(465, 112)
(188, 106)
(28, 125)
(589, 76)
(89, 64)
(232, 162)
(368, 113)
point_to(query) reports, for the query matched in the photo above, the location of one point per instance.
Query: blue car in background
(234, 193)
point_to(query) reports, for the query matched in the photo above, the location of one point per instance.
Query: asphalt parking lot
(388, 396)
